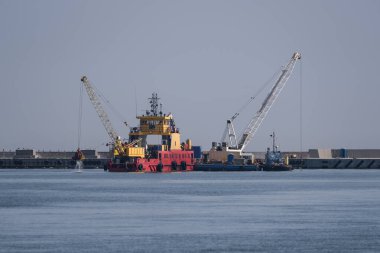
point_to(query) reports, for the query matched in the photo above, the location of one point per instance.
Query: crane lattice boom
(229, 134)
(256, 121)
(99, 109)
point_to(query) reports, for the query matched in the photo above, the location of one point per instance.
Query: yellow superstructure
(154, 122)
(162, 125)
(154, 125)
(175, 143)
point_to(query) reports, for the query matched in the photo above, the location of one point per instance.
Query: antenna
(154, 104)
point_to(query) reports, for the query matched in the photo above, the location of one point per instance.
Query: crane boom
(99, 109)
(229, 132)
(256, 121)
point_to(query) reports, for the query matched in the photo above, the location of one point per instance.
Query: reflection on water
(51, 210)
(79, 166)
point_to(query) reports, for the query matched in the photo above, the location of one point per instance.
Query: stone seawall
(336, 163)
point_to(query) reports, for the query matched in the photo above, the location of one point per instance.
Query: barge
(225, 167)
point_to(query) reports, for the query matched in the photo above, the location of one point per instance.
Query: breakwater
(29, 158)
(311, 159)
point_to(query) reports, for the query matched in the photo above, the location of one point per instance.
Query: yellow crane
(119, 148)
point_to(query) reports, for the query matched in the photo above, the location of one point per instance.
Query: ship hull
(225, 167)
(277, 167)
(167, 161)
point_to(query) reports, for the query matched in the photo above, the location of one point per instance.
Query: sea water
(51, 210)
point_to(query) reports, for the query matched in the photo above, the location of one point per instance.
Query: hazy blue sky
(204, 58)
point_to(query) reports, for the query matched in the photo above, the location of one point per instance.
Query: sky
(205, 59)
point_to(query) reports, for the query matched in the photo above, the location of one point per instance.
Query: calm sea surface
(51, 210)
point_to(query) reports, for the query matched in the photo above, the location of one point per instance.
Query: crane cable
(301, 111)
(108, 103)
(80, 115)
(269, 81)
(258, 92)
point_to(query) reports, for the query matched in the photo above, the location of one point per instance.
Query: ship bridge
(154, 122)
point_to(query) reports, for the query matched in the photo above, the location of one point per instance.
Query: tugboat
(137, 155)
(274, 160)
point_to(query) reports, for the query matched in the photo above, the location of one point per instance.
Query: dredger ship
(137, 155)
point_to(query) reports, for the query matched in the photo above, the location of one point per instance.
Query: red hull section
(167, 161)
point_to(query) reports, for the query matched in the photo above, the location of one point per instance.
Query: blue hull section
(225, 167)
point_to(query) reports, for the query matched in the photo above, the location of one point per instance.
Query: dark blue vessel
(274, 161)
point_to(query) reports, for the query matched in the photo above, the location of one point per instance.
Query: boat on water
(136, 155)
(274, 161)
